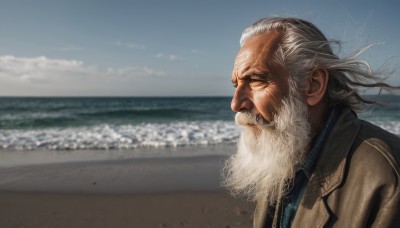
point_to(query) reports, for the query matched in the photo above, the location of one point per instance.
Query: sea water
(115, 123)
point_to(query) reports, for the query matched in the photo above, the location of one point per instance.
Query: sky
(164, 48)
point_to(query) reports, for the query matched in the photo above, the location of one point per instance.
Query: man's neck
(317, 116)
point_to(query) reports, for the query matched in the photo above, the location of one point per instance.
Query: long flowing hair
(304, 48)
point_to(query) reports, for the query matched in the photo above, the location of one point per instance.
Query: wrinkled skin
(260, 83)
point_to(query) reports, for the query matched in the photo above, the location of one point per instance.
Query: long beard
(268, 153)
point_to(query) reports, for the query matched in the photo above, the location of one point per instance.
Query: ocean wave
(108, 136)
(160, 113)
(391, 126)
(91, 117)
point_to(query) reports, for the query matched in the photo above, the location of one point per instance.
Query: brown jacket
(355, 182)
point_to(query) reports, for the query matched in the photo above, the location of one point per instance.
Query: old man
(303, 156)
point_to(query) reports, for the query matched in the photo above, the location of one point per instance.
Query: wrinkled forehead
(259, 48)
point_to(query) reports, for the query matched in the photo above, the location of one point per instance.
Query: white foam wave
(133, 136)
(122, 136)
(391, 126)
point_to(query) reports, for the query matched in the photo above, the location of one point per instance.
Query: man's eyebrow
(254, 75)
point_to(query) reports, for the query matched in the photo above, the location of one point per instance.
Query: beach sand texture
(136, 192)
(179, 209)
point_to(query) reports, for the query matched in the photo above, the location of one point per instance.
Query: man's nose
(240, 101)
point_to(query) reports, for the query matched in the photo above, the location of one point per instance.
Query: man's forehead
(259, 47)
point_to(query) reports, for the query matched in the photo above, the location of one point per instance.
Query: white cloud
(132, 71)
(39, 67)
(130, 45)
(43, 67)
(45, 76)
(170, 57)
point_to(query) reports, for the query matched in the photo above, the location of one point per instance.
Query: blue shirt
(292, 200)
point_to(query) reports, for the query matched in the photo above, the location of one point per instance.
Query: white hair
(304, 48)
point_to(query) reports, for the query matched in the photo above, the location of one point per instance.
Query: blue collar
(308, 164)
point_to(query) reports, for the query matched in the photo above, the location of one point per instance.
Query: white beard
(267, 154)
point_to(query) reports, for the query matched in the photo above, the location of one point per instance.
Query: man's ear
(317, 84)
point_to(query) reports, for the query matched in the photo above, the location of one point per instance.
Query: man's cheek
(266, 105)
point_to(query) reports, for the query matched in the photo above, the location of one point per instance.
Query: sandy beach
(130, 192)
(178, 209)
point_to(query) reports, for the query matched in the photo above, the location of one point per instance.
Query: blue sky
(163, 48)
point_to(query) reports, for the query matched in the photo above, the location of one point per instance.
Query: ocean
(119, 123)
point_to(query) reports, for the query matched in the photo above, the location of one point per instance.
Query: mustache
(247, 118)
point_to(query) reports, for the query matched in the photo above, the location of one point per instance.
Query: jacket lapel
(328, 173)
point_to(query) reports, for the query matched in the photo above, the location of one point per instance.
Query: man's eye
(258, 82)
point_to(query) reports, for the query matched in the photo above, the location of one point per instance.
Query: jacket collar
(329, 171)
(307, 166)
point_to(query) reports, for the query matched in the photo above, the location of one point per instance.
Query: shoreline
(136, 175)
(12, 158)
